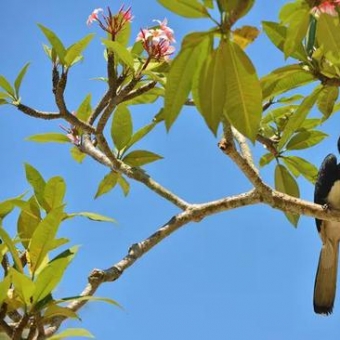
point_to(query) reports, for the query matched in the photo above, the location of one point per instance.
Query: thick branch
(38, 114)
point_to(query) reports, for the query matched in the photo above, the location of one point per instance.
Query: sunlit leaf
(327, 99)
(243, 105)
(92, 216)
(55, 42)
(24, 286)
(140, 157)
(124, 184)
(54, 192)
(37, 182)
(195, 48)
(122, 52)
(19, 78)
(77, 155)
(89, 298)
(11, 247)
(84, 110)
(305, 139)
(186, 8)
(4, 83)
(49, 137)
(107, 183)
(121, 128)
(302, 166)
(75, 50)
(72, 332)
(266, 159)
(296, 120)
(245, 35)
(53, 311)
(5, 284)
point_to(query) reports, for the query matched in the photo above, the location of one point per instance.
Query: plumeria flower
(112, 23)
(327, 6)
(157, 41)
(94, 16)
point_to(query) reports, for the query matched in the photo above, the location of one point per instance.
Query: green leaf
(7, 87)
(195, 48)
(285, 182)
(18, 80)
(107, 184)
(138, 135)
(92, 216)
(51, 275)
(53, 311)
(55, 42)
(42, 238)
(309, 124)
(305, 139)
(72, 332)
(277, 33)
(11, 247)
(49, 137)
(122, 52)
(123, 36)
(243, 106)
(54, 192)
(327, 35)
(8, 205)
(275, 114)
(140, 157)
(37, 182)
(24, 286)
(3, 101)
(89, 298)
(290, 99)
(303, 167)
(266, 159)
(186, 8)
(212, 89)
(148, 97)
(28, 220)
(121, 128)
(84, 110)
(285, 79)
(296, 120)
(327, 99)
(75, 50)
(236, 8)
(124, 184)
(77, 155)
(296, 31)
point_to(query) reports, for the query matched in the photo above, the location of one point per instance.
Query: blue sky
(244, 274)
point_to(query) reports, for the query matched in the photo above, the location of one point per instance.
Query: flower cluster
(111, 23)
(327, 6)
(157, 41)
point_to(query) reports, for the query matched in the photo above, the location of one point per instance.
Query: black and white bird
(327, 193)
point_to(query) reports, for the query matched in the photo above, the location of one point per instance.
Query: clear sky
(243, 274)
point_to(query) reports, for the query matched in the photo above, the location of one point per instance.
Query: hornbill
(327, 193)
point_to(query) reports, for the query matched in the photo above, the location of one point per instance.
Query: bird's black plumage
(327, 193)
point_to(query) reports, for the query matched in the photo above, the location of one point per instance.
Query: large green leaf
(186, 8)
(72, 332)
(84, 110)
(327, 33)
(52, 273)
(24, 286)
(277, 33)
(296, 120)
(195, 48)
(28, 220)
(327, 99)
(212, 89)
(121, 51)
(140, 157)
(75, 50)
(42, 238)
(107, 183)
(285, 79)
(11, 247)
(5, 284)
(55, 42)
(305, 139)
(54, 192)
(53, 311)
(123, 36)
(243, 106)
(19, 78)
(285, 182)
(124, 184)
(92, 216)
(236, 8)
(301, 166)
(4, 83)
(49, 137)
(37, 182)
(121, 128)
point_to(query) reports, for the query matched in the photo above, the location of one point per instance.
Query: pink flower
(157, 41)
(328, 7)
(94, 16)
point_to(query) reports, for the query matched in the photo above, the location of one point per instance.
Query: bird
(327, 194)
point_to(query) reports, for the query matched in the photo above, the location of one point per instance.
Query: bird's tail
(325, 280)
